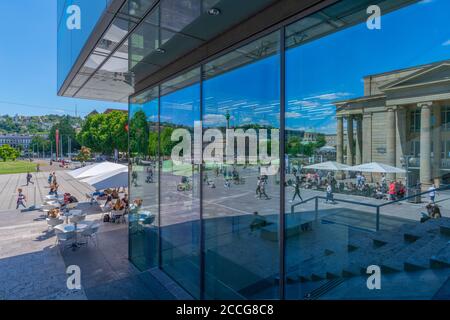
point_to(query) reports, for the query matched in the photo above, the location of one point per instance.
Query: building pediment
(436, 74)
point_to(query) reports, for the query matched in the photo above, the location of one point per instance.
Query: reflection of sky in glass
(150, 108)
(181, 107)
(250, 95)
(318, 73)
(332, 68)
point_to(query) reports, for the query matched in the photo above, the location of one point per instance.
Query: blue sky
(28, 62)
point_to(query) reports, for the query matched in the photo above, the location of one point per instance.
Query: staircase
(407, 248)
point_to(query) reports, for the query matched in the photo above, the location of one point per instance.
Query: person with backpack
(20, 199)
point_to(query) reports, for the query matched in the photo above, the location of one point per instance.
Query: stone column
(401, 145)
(390, 140)
(350, 140)
(367, 138)
(359, 142)
(437, 146)
(340, 139)
(425, 144)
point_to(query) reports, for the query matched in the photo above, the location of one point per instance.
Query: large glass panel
(144, 176)
(241, 191)
(180, 181)
(72, 39)
(365, 99)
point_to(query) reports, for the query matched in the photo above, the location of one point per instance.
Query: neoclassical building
(404, 115)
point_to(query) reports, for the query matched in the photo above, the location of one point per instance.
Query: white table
(78, 228)
(72, 213)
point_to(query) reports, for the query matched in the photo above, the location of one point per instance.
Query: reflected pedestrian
(330, 196)
(297, 189)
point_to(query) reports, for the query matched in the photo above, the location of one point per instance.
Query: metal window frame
(281, 29)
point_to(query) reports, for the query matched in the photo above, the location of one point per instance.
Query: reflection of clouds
(187, 106)
(330, 96)
(216, 119)
(292, 115)
(446, 43)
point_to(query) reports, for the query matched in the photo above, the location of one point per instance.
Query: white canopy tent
(329, 166)
(375, 167)
(96, 169)
(112, 179)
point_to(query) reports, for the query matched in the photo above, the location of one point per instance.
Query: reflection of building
(403, 113)
(15, 141)
(310, 137)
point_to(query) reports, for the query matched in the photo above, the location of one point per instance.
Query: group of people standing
(53, 184)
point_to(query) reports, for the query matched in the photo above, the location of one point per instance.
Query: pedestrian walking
(330, 196)
(29, 176)
(258, 187)
(20, 199)
(432, 193)
(262, 189)
(297, 190)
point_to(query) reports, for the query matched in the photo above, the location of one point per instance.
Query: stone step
(421, 259)
(441, 259)
(422, 229)
(396, 261)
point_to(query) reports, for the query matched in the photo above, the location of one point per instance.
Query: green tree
(117, 136)
(8, 153)
(105, 132)
(294, 146)
(321, 141)
(139, 134)
(84, 154)
(166, 141)
(91, 134)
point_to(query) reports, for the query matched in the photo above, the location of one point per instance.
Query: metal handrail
(376, 206)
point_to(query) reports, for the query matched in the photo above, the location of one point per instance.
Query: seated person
(54, 213)
(379, 193)
(401, 191)
(258, 222)
(109, 199)
(115, 194)
(118, 205)
(125, 200)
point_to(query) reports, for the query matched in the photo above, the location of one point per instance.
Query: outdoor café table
(72, 213)
(78, 228)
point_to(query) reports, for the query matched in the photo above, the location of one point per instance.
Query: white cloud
(330, 96)
(426, 1)
(292, 115)
(214, 119)
(446, 43)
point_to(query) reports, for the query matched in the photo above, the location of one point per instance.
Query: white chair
(91, 233)
(53, 222)
(105, 209)
(118, 215)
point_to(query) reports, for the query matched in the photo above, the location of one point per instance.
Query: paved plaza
(33, 267)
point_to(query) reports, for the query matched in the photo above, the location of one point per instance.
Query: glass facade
(299, 163)
(71, 40)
